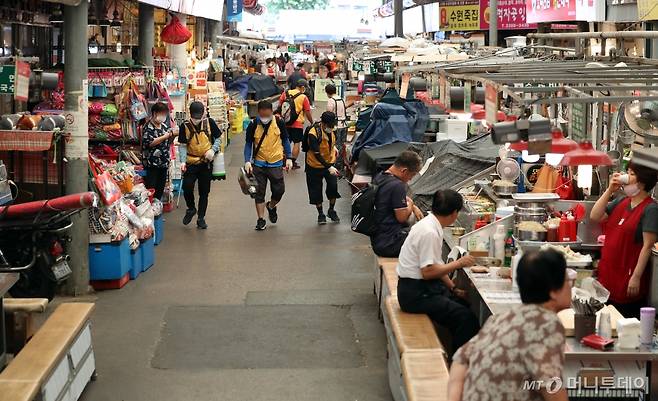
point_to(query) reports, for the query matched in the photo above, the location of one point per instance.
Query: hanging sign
(460, 15)
(491, 103)
(647, 10)
(511, 15)
(234, 13)
(578, 122)
(22, 81)
(357, 66)
(539, 11)
(7, 79)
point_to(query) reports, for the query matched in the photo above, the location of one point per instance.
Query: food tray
(538, 244)
(579, 263)
(535, 197)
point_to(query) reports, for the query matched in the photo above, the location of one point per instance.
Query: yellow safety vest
(327, 151)
(271, 151)
(198, 142)
(299, 105)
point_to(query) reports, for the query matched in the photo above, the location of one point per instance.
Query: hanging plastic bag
(564, 186)
(547, 180)
(107, 188)
(175, 32)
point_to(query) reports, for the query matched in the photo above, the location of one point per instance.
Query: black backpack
(289, 112)
(305, 145)
(363, 210)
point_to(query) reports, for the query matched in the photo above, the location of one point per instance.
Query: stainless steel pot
(504, 189)
(531, 235)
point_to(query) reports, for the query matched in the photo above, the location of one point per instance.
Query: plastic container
(110, 261)
(572, 224)
(552, 233)
(136, 263)
(159, 229)
(515, 264)
(647, 320)
(564, 234)
(509, 248)
(148, 253)
(498, 243)
(605, 325)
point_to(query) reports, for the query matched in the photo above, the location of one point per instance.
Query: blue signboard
(234, 8)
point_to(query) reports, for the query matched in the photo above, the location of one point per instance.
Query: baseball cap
(197, 109)
(302, 82)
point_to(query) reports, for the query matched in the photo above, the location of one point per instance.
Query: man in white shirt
(337, 105)
(424, 285)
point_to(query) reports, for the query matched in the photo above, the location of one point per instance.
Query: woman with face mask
(631, 229)
(156, 141)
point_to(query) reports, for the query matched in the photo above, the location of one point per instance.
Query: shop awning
(209, 9)
(65, 2)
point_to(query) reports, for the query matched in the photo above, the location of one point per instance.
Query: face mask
(265, 120)
(631, 190)
(195, 121)
(328, 130)
(160, 119)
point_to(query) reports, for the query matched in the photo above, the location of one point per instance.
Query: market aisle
(236, 315)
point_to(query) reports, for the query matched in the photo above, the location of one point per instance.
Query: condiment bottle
(573, 228)
(563, 229)
(552, 234)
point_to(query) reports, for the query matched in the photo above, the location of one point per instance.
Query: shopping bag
(175, 32)
(107, 188)
(564, 186)
(546, 180)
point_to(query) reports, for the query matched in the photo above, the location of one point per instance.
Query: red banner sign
(564, 10)
(22, 81)
(511, 15)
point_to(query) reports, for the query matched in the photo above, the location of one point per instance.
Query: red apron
(620, 253)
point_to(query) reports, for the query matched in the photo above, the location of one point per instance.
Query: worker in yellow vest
(295, 110)
(267, 153)
(320, 147)
(200, 140)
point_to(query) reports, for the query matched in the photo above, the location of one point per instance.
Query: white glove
(247, 168)
(288, 164)
(334, 171)
(210, 155)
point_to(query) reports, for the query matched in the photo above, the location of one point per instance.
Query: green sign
(357, 66)
(384, 66)
(7, 79)
(579, 122)
(293, 49)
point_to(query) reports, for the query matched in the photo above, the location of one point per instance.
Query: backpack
(289, 112)
(305, 145)
(363, 210)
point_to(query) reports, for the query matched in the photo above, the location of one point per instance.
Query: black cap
(329, 119)
(302, 82)
(197, 109)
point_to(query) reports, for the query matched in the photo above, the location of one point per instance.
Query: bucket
(584, 325)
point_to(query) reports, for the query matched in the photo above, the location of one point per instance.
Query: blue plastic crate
(109, 261)
(148, 253)
(159, 229)
(176, 184)
(136, 262)
(141, 173)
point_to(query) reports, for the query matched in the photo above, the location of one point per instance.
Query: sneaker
(201, 224)
(333, 216)
(272, 213)
(188, 216)
(261, 225)
(322, 220)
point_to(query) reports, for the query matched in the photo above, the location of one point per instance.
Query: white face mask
(265, 120)
(631, 190)
(328, 130)
(160, 119)
(195, 121)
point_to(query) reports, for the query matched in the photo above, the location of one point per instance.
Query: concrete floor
(292, 264)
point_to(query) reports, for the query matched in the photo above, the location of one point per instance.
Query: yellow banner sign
(465, 17)
(647, 10)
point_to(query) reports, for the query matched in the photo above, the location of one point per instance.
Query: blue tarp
(392, 123)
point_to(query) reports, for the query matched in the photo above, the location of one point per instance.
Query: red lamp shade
(585, 154)
(559, 145)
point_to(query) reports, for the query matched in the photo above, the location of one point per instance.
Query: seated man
(424, 285)
(393, 206)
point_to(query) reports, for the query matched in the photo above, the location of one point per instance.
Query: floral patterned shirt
(513, 354)
(158, 156)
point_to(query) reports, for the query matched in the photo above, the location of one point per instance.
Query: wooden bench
(20, 318)
(405, 332)
(389, 286)
(425, 375)
(57, 363)
(380, 262)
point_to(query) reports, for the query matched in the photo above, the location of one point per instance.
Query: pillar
(200, 34)
(146, 34)
(653, 43)
(215, 32)
(493, 23)
(178, 55)
(75, 107)
(398, 11)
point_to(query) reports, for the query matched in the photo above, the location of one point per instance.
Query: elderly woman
(518, 355)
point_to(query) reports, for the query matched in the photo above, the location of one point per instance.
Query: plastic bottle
(573, 228)
(515, 264)
(563, 229)
(509, 248)
(498, 243)
(647, 320)
(605, 326)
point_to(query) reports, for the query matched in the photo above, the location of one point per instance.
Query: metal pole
(215, 31)
(146, 34)
(398, 8)
(654, 41)
(493, 23)
(596, 35)
(200, 33)
(75, 107)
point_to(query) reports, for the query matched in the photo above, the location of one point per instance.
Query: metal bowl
(539, 236)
